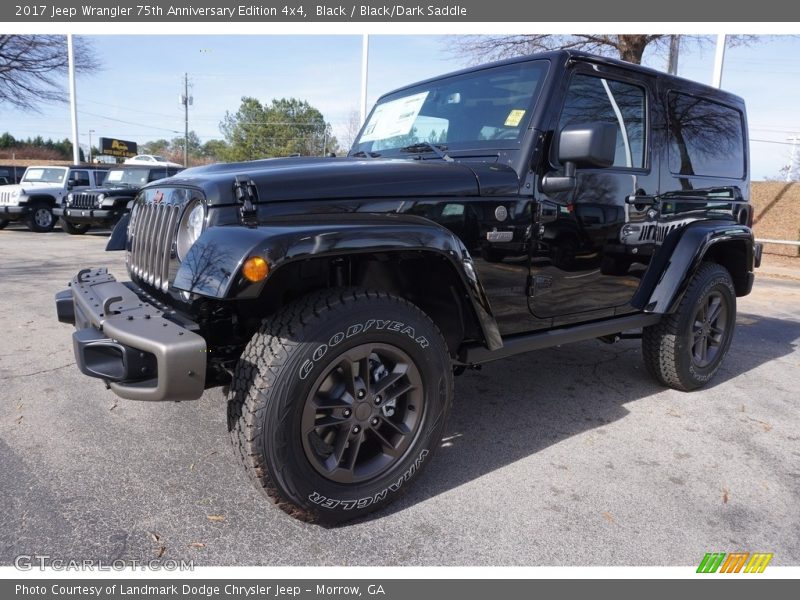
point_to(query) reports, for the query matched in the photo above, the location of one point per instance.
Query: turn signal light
(255, 269)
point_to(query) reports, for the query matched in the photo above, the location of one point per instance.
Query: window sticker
(394, 118)
(514, 117)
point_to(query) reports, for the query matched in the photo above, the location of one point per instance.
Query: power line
(771, 142)
(84, 112)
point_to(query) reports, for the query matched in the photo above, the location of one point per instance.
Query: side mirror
(592, 145)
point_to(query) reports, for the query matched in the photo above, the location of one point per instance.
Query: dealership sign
(120, 148)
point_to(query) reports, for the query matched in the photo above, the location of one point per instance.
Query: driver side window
(593, 99)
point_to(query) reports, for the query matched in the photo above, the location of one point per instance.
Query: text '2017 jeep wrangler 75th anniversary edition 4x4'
(501, 209)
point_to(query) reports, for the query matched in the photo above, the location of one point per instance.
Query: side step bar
(517, 344)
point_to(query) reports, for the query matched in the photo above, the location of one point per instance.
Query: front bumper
(13, 213)
(141, 352)
(87, 215)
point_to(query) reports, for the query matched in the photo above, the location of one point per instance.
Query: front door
(580, 269)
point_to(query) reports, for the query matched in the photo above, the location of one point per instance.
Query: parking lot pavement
(569, 456)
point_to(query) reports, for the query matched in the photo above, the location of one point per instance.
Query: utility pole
(73, 102)
(186, 100)
(794, 158)
(674, 50)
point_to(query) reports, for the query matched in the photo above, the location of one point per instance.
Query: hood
(285, 179)
(111, 191)
(34, 185)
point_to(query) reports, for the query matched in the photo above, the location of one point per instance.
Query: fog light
(255, 269)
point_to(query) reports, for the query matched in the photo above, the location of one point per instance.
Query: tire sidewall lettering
(386, 325)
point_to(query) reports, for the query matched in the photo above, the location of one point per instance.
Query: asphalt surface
(569, 456)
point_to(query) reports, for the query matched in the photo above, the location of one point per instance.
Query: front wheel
(686, 348)
(41, 219)
(74, 228)
(339, 401)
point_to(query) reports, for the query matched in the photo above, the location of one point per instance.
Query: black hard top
(564, 57)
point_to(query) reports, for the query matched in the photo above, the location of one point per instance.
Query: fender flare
(212, 266)
(679, 257)
(51, 200)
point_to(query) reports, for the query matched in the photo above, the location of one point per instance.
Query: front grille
(5, 198)
(151, 233)
(84, 201)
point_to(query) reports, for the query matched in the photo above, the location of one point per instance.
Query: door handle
(642, 200)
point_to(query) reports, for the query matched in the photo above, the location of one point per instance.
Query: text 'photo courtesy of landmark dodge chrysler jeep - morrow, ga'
(505, 208)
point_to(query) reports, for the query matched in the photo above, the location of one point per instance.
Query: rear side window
(157, 174)
(706, 138)
(81, 178)
(593, 99)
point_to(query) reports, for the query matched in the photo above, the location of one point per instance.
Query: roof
(563, 56)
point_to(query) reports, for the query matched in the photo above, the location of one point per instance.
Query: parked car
(41, 189)
(9, 175)
(338, 297)
(150, 159)
(104, 206)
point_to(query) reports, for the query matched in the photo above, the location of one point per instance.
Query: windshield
(44, 175)
(470, 111)
(128, 177)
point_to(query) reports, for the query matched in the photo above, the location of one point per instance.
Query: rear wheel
(339, 401)
(74, 228)
(686, 348)
(3, 223)
(41, 219)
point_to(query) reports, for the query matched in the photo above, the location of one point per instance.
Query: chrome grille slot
(151, 234)
(5, 197)
(83, 201)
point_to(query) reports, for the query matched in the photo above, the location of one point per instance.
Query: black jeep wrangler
(501, 209)
(104, 207)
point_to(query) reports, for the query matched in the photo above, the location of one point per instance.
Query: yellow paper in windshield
(514, 117)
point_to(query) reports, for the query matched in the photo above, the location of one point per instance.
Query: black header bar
(215, 11)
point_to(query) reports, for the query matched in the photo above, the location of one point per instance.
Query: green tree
(154, 147)
(215, 150)
(7, 140)
(282, 128)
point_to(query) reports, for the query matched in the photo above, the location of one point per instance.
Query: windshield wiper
(362, 154)
(437, 149)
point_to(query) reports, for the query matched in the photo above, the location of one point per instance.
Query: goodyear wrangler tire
(686, 348)
(339, 401)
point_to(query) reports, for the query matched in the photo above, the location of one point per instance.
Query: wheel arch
(408, 256)
(682, 253)
(47, 198)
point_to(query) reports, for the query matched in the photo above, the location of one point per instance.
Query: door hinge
(247, 196)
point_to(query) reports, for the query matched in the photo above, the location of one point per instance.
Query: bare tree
(33, 68)
(630, 47)
(351, 129)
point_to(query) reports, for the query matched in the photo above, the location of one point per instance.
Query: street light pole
(91, 131)
(364, 72)
(73, 103)
(719, 59)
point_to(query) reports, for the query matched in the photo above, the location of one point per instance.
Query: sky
(135, 96)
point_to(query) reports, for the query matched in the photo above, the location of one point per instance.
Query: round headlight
(16, 192)
(100, 198)
(191, 227)
(69, 198)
